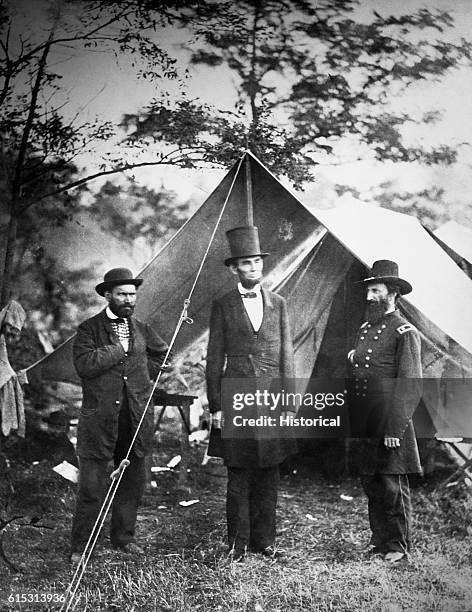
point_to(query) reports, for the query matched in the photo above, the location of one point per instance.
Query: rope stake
(117, 474)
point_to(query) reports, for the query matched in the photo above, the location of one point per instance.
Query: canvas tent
(316, 257)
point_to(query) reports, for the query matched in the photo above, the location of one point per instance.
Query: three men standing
(249, 339)
(386, 369)
(115, 355)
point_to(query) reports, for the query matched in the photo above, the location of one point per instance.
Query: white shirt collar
(255, 289)
(111, 315)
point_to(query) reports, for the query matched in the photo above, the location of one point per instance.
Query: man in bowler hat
(115, 355)
(385, 391)
(249, 339)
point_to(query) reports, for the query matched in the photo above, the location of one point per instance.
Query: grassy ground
(185, 568)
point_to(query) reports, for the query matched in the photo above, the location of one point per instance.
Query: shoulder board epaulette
(405, 328)
(364, 324)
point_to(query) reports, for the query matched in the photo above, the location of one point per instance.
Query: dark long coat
(384, 392)
(234, 351)
(107, 372)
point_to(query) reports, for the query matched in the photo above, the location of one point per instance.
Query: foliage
(139, 218)
(43, 284)
(309, 76)
(425, 204)
(41, 138)
(133, 212)
(197, 134)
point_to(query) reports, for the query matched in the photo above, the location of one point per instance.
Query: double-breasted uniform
(384, 391)
(236, 351)
(116, 386)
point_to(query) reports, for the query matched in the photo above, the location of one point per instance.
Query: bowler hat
(386, 271)
(117, 276)
(243, 242)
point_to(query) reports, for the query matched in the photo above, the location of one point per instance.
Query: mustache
(126, 306)
(376, 306)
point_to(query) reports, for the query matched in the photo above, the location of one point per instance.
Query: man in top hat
(115, 356)
(386, 389)
(249, 339)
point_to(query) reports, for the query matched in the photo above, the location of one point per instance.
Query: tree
(425, 204)
(311, 76)
(42, 282)
(246, 41)
(39, 140)
(132, 217)
(350, 88)
(137, 216)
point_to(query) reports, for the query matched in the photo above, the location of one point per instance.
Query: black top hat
(243, 242)
(117, 276)
(386, 271)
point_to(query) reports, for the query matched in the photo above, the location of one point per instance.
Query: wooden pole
(184, 410)
(250, 212)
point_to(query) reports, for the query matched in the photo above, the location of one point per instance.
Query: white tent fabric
(457, 237)
(441, 291)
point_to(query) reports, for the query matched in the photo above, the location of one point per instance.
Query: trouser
(250, 507)
(389, 511)
(94, 481)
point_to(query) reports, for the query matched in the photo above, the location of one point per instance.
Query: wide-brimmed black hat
(386, 271)
(117, 276)
(243, 242)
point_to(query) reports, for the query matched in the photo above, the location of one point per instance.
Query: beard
(376, 310)
(250, 283)
(121, 310)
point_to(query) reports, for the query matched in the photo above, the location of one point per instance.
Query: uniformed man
(249, 339)
(385, 391)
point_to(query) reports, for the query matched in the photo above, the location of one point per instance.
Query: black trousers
(94, 482)
(250, 507)
(389, 511)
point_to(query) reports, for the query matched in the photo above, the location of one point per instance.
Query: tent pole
(250, 213)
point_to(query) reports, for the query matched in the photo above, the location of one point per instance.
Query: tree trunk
(9, 260)
(16, 189)
(253, 82)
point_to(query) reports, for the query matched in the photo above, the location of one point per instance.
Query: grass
(185, 566)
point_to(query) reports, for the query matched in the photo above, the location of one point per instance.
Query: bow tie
(118, 320)
(249, 294)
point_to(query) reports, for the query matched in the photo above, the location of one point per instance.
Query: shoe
(131, 548)
(394, 556)
(271, 552)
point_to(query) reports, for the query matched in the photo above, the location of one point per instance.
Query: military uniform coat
(235, 351)
(107, 371)
(384, 392)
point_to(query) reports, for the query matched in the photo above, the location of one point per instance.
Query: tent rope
(117, 474)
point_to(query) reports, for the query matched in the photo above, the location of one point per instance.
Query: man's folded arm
(90, 360)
